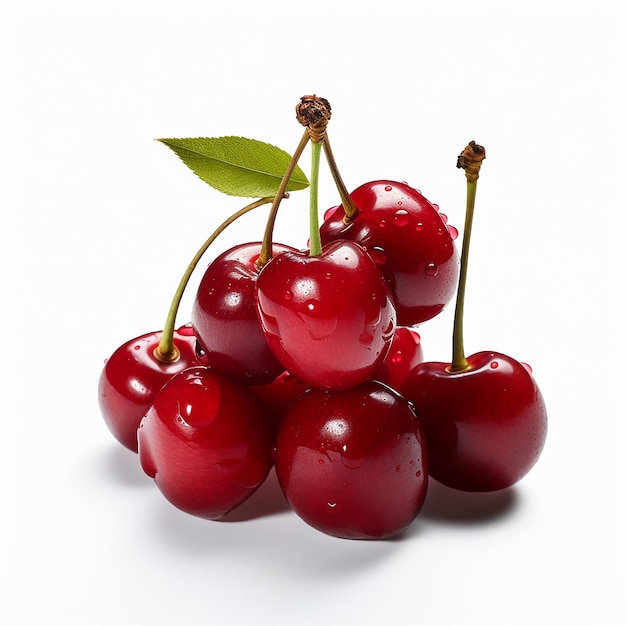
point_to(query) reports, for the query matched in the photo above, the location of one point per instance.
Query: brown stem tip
(314, 113)
(470, 160)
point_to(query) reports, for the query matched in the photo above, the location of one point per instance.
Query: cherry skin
(409, 239)
(132, 377)
(225, 320)
(278, 395)
(352, 463)
(206, 442)
(406, 353)
(485, 427)
(328, 318)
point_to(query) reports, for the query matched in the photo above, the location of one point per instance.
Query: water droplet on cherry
(435, 206)
(398, 469)
(432, 269)
(454, 233)
(493, 365)
(444, 218)
(401, 217)
(378, 255)
(419, 226)
(388, 188)
(137, 347)
(288, 294)
(527, 367)
(418, 474)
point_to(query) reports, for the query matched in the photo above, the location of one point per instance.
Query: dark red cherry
(278, 395)
(405, 353)
(328, 318)
(352, 463)
(132, 377)
(225, 320)
(485, 427)
(410, 241)
(206, 442)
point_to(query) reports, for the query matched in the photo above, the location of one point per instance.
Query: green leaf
(237, 166)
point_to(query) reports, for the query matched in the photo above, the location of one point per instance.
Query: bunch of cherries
(309, 361)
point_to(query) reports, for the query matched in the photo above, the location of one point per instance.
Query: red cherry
(225, 320)
(410, 241)
(328, 318)
(405, 353)
(485, 427)
(351, 463)
(206, 443)
(132, 377)
(278, 395)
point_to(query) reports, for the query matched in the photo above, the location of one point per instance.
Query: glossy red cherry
(409, 239)
(206, 442)
(278, 395)
(328, 318)
(485, 427)
(132, 377)
(405, 353)
(352, 463)
(225, 320)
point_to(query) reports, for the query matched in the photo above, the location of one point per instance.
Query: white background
(99, 222)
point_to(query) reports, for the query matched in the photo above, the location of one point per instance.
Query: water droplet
(388, 188)
(419, 226)
(397, 357)
(310, 306)
(398, 469)
(435, 206)
(401, 217)
(137, 347)
(493, 365)
(418, 474)
(378, 255)
(432, 269)
(328, 275)
(383, 223)
(321, 461)
(444, 218)
(454, 233)
(527, 367)
(288, 294)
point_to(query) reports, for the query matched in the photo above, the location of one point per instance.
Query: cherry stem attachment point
(166, 351)
(470, 160)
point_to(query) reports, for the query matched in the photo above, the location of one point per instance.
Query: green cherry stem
(470, 160)
(166, 351)
(315, 240)
(268, 237)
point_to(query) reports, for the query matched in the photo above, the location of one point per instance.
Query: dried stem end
(470, 160)
(314, 113)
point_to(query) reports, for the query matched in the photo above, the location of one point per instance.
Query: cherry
(405, 353)
(351, 463)
(485, 426)
(206, 442)
(408, 238)
(278, 395)
(328, 318)
(134, 374)
(225, 320)
(484, 417)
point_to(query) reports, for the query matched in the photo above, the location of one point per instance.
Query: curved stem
(459, 362)
(266, 246)
(315, 241)
(349, 207)
(166, 351)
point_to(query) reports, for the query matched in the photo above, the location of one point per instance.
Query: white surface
(99, 222)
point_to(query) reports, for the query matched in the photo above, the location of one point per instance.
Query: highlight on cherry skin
(133, 375)
(352, 463)
(485, 427)
(225, 320)
(329, 319)
(206, 442)
(409, 239)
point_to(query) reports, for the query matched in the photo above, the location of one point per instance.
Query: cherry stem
(315, 240)
(266, 245)
(349, 207)
(166, 351)
(470, 160)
